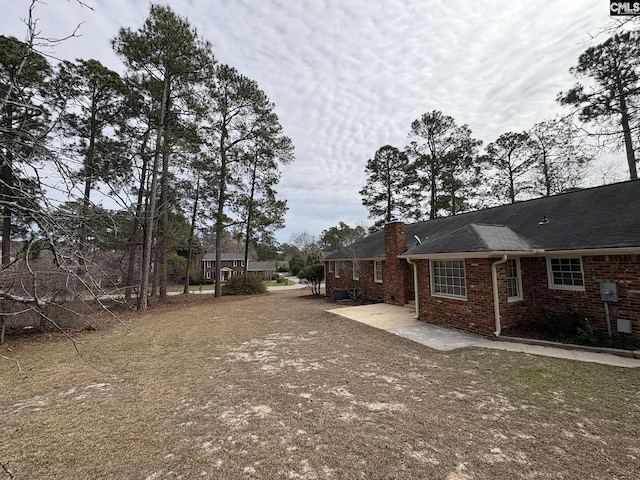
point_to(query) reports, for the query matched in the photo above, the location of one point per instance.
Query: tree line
(443, 171)
(185, 148)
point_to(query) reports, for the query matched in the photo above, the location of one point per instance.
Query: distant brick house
(233, 264)
(486, 271)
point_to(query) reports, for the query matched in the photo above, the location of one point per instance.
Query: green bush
(313, 275)
(244, 285)
(557, 323)
(587, 335)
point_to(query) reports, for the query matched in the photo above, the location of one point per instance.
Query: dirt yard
(273, 387)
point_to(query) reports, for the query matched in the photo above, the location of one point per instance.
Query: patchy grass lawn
(273, 387)
(284, 282)
(192, 288)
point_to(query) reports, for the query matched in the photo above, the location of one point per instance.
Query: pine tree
(443, 154)
(240, 123)
(612, 99)
(511, 157)
(385, 194)
(167, 51)
(94, 97)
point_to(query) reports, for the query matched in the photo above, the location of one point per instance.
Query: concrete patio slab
(400, 321)
(379, 315)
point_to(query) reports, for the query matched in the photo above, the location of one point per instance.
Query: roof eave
(536, 252)
(351, 259)
(486, 254)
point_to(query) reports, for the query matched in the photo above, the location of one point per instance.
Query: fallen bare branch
(19, 370)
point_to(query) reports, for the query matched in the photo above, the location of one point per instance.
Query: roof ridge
(473, 227)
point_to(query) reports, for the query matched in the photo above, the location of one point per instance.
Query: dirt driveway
(274, 387)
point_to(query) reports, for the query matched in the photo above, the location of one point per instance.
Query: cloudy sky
(349, 76)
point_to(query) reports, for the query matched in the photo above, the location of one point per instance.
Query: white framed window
(235, 263)
(355, 266)
(448, 278)
(377, 271)
(208, 276)
(565, 273)
(514, 280)
(337, 275)
(242, 263)
(330, 265)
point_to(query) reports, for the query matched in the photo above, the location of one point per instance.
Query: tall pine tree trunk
(192, 229)
(248, 233)
(220, 210)
(89, 170)
(143, 299)
(163, 224)
(6, 177)
(7, 213)
(626, 129)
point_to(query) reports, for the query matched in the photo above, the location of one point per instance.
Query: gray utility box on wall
(609, 291)
(625, 326)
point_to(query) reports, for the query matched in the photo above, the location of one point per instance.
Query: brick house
(230, 264)
(233, 264)
(487, 271)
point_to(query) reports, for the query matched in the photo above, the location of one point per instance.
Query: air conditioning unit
(625, 326)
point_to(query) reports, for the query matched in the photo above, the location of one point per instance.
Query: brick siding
(475, 314)
(622, 269)
(368, 289)
(397, 273)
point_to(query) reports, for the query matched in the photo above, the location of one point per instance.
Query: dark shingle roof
(371, 246)
(595, 218)
(224, 257)
(477, 238)
(261, 266)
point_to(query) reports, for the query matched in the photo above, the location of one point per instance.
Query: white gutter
(415, 288)
(496, 297)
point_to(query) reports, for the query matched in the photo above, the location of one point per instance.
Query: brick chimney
(396, 275)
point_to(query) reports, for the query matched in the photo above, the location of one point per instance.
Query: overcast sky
(349, 76)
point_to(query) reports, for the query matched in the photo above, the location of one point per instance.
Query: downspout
(415, 288)
(496, 297)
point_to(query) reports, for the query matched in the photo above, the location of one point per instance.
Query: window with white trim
(208, 275)
(514, 281)
(355, 267)
(337, 275)
(330, 267)
(377, 271)
(448, 278)
(565, 273)
(235, 263)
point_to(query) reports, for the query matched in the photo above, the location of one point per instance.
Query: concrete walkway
(297, 285)
(400, 321)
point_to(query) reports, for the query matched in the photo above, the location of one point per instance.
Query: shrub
(313, 275)
(587, 335)
(244, 285)
(557, 323)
